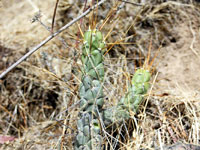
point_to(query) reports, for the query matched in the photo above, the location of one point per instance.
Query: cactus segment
(131, 101)
(91, 92)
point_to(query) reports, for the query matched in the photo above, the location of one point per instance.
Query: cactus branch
(91, 93)
(131, 101)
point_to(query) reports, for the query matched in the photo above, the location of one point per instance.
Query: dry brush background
(38, 98)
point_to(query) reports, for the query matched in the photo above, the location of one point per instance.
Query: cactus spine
(131, 101)
(91, 92)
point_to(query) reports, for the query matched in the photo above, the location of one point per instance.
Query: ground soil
(180, 60)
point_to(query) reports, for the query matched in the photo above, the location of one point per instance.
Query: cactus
(92, 98)
(131, 101)
(91, 93)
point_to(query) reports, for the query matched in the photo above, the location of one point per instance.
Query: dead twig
(54, 15)
(48, 39)
(133, 3)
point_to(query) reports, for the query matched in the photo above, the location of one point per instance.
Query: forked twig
(48, 39)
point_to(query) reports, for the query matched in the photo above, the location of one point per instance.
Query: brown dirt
(180, 61)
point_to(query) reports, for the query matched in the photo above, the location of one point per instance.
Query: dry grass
(38, 100)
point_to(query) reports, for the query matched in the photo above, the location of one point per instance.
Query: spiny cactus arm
(141, 81)
(91, 93)
(131, 101)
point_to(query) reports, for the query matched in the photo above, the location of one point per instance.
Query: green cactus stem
(131, 101)
(91, 93)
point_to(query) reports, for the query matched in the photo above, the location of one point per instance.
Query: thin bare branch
(54, 15)
(133, 3)
(48, 39)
